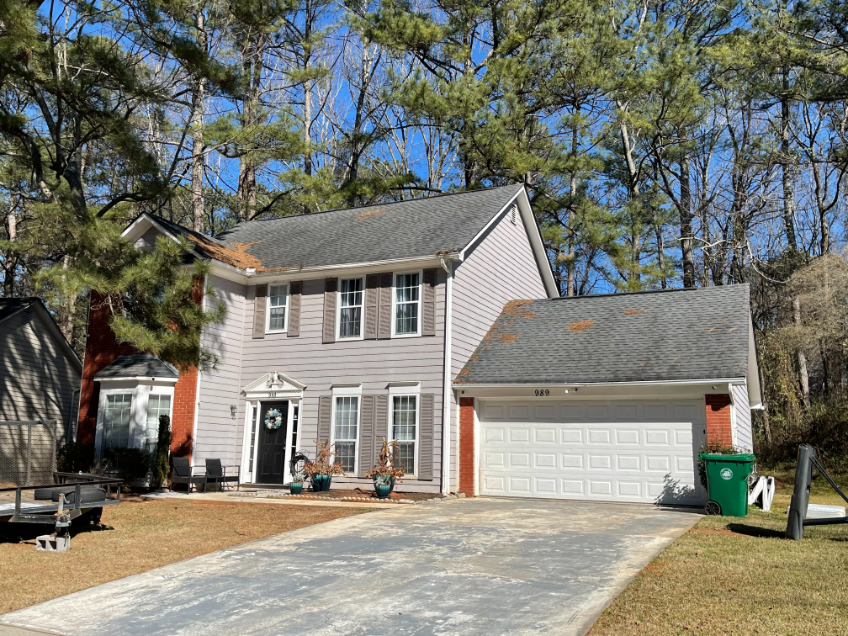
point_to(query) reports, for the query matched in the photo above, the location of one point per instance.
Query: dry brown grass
(740, 576)
(147, 534)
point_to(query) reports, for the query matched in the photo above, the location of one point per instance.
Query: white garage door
(635, 451)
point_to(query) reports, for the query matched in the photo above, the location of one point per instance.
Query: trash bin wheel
(712, 508)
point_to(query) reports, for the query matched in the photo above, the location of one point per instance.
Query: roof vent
(26, 317)
(513, 214)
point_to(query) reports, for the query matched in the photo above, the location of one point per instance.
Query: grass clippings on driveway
(740, 576)
(146, 534)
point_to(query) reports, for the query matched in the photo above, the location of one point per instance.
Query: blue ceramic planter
(384, 489)
(296, 487)
(321, 483)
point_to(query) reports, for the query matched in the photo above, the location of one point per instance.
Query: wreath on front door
(273, 419)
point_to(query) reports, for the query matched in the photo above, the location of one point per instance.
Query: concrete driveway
(475, 566)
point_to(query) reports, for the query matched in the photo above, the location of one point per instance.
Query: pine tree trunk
(803, 374)
(686, 224)
(787, 169)
(197, 157)
(10, 260)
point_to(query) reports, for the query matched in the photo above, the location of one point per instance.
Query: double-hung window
(156, 405)
(407, 304)
(277, 301)
(405, 431)
(116, 421)
(350, 308)
(346, 432)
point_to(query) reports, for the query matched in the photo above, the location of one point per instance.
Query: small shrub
(160, 466)
(74, 457)
(131, 463)
(323, 464)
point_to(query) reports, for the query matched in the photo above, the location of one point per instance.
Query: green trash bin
(727, 483)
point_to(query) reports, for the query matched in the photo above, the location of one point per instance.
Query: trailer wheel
(712, 508)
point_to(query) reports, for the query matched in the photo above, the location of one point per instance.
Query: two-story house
(350, 324)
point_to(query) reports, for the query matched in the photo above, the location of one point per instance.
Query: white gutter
(531, 385)
(447, 265)
(137, 378)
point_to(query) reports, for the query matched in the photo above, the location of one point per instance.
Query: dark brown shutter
(295, 291)
(259, 311)
(384, 329)
(366, 435)
(372, 303)
(331, 285)
(325, 411)
(428, 303)
(425, 436)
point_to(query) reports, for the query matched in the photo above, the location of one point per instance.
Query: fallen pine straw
(147, 534)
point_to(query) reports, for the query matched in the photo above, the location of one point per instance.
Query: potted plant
(386, 471)
(322, 469)
(296, 485)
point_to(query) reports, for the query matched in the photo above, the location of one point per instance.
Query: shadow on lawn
(27, 532)
(755, 531)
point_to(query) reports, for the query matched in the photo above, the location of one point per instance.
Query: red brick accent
(466, 446)
(101, 350)
(718, 419)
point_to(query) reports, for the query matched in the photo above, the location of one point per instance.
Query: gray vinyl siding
(37, 380)
(742, 409)
(147, 241)
(499, 268)
(374, 363)
(218, 435)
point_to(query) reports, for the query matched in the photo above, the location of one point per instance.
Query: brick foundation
(466, 446)
(718, 419)
(101, 350)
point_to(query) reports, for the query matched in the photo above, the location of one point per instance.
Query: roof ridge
(649, 291)
(360, 207)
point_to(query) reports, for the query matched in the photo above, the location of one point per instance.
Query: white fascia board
(535, 236)
(138, 227)
(494, 220)
(755, 394)
(138, 378)
(722, 385)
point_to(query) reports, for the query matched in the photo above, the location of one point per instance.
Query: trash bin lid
(736, 457)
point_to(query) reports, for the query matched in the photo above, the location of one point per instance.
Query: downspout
(447, 265)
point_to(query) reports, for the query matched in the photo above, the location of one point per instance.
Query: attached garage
(607, 398)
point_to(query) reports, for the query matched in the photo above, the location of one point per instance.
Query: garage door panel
(519, 412)
(632, 451)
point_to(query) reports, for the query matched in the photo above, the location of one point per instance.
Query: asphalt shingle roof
(406, 229)
(689, 334)
(137, 365)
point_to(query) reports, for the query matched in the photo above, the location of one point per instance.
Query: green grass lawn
(740, 576)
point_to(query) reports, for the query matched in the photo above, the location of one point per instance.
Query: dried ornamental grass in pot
(385, 472)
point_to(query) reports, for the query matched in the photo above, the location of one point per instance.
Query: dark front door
(272, 443)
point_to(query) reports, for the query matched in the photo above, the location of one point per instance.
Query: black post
(801, 496)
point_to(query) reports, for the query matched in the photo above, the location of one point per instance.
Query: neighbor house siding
(744, 429)
(218, 435)
(498, 268)
(37, 380)
(374, 363)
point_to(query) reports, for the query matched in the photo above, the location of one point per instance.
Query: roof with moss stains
(389, 231)
(674, 335)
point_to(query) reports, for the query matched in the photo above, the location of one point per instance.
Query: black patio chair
(218, 474)
(184, 473)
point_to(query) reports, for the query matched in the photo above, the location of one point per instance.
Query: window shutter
(331, 285)
(384, 330)
(259, 311)
(372, 301)
(295, 290)
(325, 410)
(381, 422)
(366, 435)
(425, 437)
(428, 304)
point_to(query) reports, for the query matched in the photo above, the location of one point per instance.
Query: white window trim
(361, 335)
(420, 273)
(349, 390)
(268, 309)
(138, 411)
(392, 436)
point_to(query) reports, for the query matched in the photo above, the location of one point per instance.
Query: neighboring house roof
(140, 365)
(10, 307)
(391, 231)
(677, 335)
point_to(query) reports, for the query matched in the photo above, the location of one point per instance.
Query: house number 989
(542, 392)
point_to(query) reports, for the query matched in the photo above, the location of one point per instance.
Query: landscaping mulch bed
(731, 575)
(357, 494)
(138, 535)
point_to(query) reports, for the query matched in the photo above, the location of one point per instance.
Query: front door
(271, 453)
